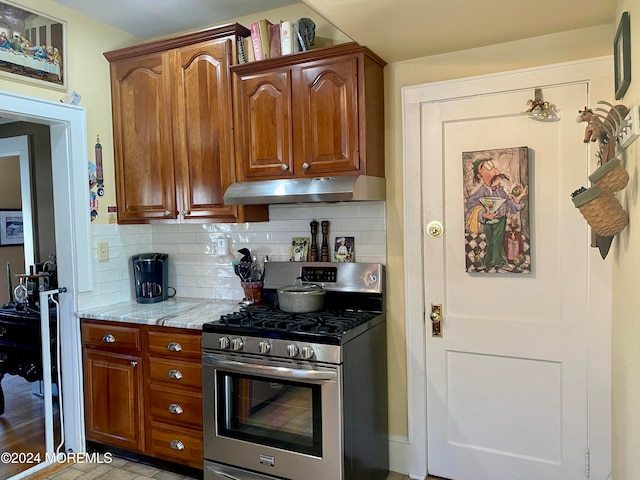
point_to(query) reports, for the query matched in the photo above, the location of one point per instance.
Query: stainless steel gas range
(299, 396)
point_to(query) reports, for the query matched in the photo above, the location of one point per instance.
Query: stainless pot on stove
(301, 297)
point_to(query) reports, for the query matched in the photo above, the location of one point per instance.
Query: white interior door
(507, 381)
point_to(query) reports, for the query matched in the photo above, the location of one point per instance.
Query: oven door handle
(269, 370)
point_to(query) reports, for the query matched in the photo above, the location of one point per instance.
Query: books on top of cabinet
(270, 40)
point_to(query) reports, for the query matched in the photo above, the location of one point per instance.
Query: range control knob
(292, 350)
(237, 344)
(264, 346)
(224, 343)
(307, 352)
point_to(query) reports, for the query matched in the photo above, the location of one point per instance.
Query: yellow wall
(89, 75)
(10, 198)
(548, 49)
(626, 301)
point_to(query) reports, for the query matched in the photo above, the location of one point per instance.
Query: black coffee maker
(150, 274)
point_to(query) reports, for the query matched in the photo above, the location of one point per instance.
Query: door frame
(67, 125)
(596, 73)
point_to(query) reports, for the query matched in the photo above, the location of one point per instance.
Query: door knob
(436, 319)
(435, 229)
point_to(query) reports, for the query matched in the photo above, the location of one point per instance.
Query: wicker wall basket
(610, 176)
(602, 211)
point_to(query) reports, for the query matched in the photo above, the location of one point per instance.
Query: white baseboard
(399, 452)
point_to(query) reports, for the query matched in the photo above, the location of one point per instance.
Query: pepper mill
(324, 251)
(313, 249)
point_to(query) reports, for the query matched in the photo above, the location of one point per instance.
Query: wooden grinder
(324, 251)
(313, 249)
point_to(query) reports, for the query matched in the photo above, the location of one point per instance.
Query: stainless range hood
(305, 190)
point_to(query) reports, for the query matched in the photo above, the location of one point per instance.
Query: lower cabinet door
(113, 399)
(176, 444)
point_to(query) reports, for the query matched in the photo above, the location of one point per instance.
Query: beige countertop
(174, 312)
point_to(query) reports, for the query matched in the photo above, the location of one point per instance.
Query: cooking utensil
(301, 297)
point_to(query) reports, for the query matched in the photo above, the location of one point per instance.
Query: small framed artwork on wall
(11, 228)
(622, 56)
(299, 249)
(344, 250)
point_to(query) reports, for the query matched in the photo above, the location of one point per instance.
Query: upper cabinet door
(202, 129)
(264, 125)
(326, 100)
(140, 90)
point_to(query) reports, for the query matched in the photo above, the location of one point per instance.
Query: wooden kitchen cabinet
(172, 126)
(143, 389)
(113, 385)
(315, 113)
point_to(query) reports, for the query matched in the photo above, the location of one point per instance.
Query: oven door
(275, 417)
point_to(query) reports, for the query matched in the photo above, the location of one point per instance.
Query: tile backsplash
(195, 267)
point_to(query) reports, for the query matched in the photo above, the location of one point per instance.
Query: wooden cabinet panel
(328, 103)
(113, 399)
(141, 95)
(311, 114)
(178, 406)
(111, 337)
(202, 108)
(174, 342)
(173, 129)
(175, 372)
(264, 131)
(176, 444)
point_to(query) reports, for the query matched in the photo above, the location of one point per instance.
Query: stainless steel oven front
(271, 418)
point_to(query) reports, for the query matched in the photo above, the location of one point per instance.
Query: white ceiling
(394, 29)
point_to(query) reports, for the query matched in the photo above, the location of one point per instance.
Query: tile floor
(120, 469)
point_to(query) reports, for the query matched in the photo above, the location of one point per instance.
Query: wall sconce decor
(622, 56)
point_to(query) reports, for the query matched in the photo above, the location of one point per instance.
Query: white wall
(194, 268)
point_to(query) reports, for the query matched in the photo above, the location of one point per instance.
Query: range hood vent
(305, 190)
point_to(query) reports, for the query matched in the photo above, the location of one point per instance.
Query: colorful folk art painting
(497, 217)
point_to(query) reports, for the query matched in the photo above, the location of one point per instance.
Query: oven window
(279, 413)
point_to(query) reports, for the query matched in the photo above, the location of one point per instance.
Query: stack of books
(269, 40)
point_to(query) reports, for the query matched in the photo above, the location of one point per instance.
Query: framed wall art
(32, 46)
(622, 56)
(299, 249)
(496, 204)
(11, 228)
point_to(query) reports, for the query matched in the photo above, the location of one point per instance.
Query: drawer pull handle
(108, 338)
(3, 331)
(174, 347)
(176, 445)
(175, 374)
(175, 408)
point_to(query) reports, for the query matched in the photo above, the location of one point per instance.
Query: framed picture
(496, 211)
(32, 46)
(622, 56)
(299, 249)
(11, 228)
(344, 250)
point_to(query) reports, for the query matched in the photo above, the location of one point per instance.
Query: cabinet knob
(305, 165)
(285, 167)
(108, 338)
(167, 213)
(134, 364)
(175, 409)
(3, 331)
(174, 347)
(175, 374)
(176, 445)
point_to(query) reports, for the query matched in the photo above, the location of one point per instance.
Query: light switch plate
(103, 251)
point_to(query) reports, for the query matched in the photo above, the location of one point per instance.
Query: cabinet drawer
(173, 343)
(182, 407)
(175, 372)
(111, 337)
(176, 444)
